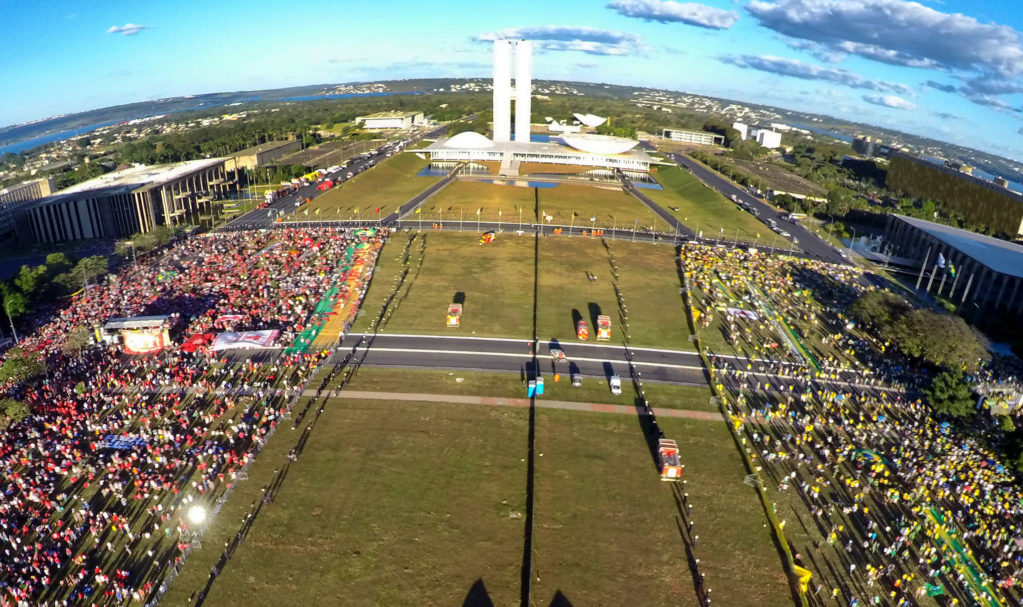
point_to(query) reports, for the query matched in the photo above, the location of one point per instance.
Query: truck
(667, 460)
(603, 328)
(616, 385)
(582, 330)
(454, 315)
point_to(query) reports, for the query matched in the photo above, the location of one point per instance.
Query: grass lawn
(460, 200)
(704, 210)
(509, 385)
(607, 528)
(647, 277)
(611, 207)
(494, 282)
(389, 504)
(389, 184)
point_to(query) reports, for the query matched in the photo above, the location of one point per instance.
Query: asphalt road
(263, 218)
(813, 246)
(514, 355)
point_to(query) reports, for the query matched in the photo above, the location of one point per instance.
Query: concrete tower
(503, 90)
(523, 88)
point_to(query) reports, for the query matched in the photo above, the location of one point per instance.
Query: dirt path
(516, 402)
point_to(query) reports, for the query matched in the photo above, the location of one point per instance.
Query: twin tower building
(503, 91)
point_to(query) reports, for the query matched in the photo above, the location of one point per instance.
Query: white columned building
(503, 90)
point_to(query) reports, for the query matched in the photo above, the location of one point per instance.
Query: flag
(418, 209)
(356, 210)
(306, 212)
(317, 211)
(478, 211)
(951, 269)
(804, 576)
(378, 210)
(934, 589)
(499, 212)
(941, 260)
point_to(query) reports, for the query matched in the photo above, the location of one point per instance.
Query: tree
(88, 268)
(941, 340)
(879, 308)
(83, 142)
(20, 365)
(13, 411)
(57, 263)
(839, 200)
(14, 302)
(76, 339)
(949, 395)
(30, 279)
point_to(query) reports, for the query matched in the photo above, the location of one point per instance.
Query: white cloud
(891, 101)
(808, 71)
(667, 11)
(128, 29)
(897, 32)
(590, 40)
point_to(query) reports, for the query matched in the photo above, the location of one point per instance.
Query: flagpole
(952, 291)
(923, 265)
(931, 279)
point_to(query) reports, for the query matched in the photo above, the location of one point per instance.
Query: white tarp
(248, 340)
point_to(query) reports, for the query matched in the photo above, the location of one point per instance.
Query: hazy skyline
(946, 69)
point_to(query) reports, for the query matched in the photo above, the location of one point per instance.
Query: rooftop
(389, 114)
(263, 147)
(141, 175)
(999, 255)
(553, 147)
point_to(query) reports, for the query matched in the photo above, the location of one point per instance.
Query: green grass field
(647, 277)
(607, 528)
(704, 210)
(493, 281)
(403, 503)
(566, 204)
(389, 504)
(388, 185)
(509, 385)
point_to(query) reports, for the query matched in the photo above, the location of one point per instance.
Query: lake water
(28, 144)
(34, 142)
(522, 183)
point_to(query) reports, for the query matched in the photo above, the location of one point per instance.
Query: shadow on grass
(560, 600)
(478, 596)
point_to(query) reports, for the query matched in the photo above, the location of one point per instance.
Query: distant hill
(922, 145)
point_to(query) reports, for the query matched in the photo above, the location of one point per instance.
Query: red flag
(378, 210)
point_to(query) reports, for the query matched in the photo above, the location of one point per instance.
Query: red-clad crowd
(97, 478)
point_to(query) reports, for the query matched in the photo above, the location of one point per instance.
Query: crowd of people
(881, 501)
(98, 477)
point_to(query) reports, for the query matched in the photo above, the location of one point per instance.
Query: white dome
(469, 140)
(590, 120)
(600, 144)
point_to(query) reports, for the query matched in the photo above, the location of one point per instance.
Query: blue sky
(948, 69)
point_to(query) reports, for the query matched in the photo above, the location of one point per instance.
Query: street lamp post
(7, 308)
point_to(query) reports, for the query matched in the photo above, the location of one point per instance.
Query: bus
(794, 217)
